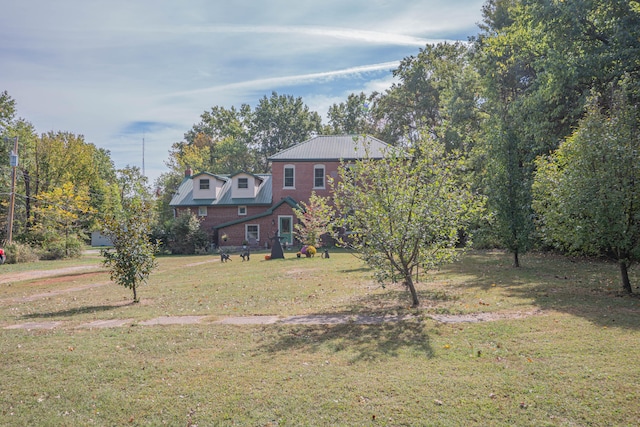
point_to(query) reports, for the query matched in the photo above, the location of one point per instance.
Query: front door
(286, 229)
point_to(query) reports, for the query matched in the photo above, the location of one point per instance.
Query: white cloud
(97, 67)
(291, 80)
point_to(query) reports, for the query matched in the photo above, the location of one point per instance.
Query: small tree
(404, 211)
(315, 220)
(133, 256)
(587, 193)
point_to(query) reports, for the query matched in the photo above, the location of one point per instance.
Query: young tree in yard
(133, 255)
(587, 193)
(405, 211)
(315, 219)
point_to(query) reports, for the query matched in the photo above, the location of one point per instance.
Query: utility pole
(13, 160)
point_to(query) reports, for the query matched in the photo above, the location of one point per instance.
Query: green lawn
(562, 352)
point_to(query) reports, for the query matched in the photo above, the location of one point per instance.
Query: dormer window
(204, 184)
(243, 182)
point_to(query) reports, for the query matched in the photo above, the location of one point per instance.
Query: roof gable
(334, 147)
(184, 196)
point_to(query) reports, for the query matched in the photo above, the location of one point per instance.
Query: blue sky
(118, 71)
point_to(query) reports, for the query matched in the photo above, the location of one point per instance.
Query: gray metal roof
(333, 147)
(184, 194)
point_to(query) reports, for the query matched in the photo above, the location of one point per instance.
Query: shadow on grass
(360, 342)
(586, 288)
(75, 311)
(371, 327)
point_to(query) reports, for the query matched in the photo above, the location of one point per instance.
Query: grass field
(559, 346)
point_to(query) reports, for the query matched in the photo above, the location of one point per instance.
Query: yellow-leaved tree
(60, 219)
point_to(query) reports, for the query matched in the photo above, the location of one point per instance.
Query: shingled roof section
(333, 147)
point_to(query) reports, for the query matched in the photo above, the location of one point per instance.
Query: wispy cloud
(119, 71)
(290, 80)
(361, 36)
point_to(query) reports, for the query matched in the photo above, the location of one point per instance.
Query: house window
(252, 232)
(243, 183)
(204, 184)
(202, 211)
(289, 173)
(318, 176)
(242, 210)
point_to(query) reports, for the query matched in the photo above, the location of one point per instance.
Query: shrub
(60, 249)
(19, 253)
(185, 235)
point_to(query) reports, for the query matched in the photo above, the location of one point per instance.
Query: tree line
(540, 107)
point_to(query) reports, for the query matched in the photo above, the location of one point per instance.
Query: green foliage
(20, 253)
(185, 235)
(352, 117)
(231, 140)
(437, 93)
(132, 258)
(507, 182)
(587, 193)
(405, 211)
(7, 111)
(60, 215)
(279, 122)
(315, 219)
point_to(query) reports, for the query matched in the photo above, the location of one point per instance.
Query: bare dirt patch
(50, 294)
(483, 317)
(30, 275)
(312, 319)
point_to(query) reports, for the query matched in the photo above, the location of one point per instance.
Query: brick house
(252, 208)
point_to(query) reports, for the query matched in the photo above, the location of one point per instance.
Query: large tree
(437, 92)
(352, 117)
(538, 62)
(505, 55)
(280, 121)
(405, 211)
(587, 193)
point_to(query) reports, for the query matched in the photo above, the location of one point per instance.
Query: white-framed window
(252, 232)
(243, 182)
(318, 176)
(289, 176)
(242, 210)
(202, 211)
(204, 184)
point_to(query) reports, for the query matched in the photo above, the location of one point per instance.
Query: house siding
(304, 179)
(266, 198)
(219, 215)
(268, 227)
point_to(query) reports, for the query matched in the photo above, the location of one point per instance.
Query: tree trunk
(626, 284)
(414, 295)
(135, 295)
(516, 261)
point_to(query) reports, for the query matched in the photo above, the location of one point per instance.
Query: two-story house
(247, 207)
